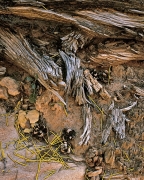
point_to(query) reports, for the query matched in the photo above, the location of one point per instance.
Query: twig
(16, 161)
(38, 170)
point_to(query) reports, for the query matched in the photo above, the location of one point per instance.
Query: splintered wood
(80, 83)
(138, 91)
(18, 51)
(73, 41)
(118, 52)
(97, 22)
(93, 86)
(91, 83)
(116, 120)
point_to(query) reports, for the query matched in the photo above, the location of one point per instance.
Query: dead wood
(19, 52)
(121, 22)
(138, 91)
(116, 120)
(87, 117)
(96, 23)
(116, 4)
(118, 52)
(118, 25)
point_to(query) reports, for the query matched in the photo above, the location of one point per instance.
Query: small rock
(2, 110)
(118, 71)
(130, 73)
(2, 70)
(31, 107)
(100, 159)
(43, 100)
(61, 84)
(100, 152)
(104, 94)
(25, 106)
(117, 151)
(95, 159)
(120, 165)
(33, 125)
(91, 164)
(137, 136)
(96, 152)
(22, 120)
(94, 173)
(56, 33)
(27, 89)
(26, 130)
(127, 144)
(33, 116)
(98, 167)
(77, 158)
(11, 85)
(3, 93)
(110, 157)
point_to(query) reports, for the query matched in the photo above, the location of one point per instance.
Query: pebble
(94, 173)
(2, 70)
(33, 116)
(22, 120)
(110, 157)
(3, 93)
(11, 85)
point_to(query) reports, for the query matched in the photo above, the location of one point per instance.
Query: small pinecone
(65, 147)
(68, 134)
(94, 157)
(39, 131)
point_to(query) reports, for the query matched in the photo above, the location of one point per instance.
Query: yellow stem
(38, 170)
(16, 161)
